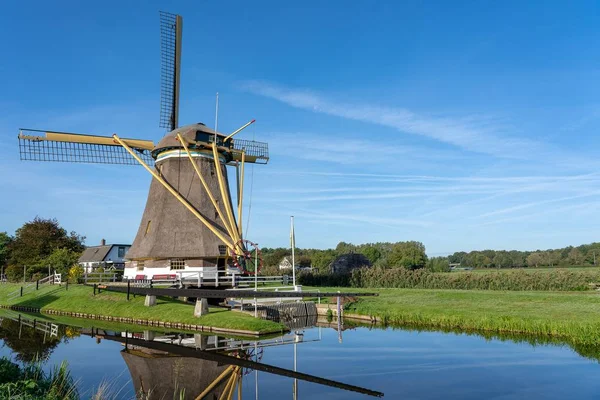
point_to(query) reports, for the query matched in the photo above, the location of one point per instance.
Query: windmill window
(222, 250)
(177, 263)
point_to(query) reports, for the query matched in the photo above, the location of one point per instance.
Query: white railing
(53, 279)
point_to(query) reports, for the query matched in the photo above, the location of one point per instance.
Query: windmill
(189, 222)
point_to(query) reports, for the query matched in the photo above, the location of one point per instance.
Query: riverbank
(571, 315)
(79, 301)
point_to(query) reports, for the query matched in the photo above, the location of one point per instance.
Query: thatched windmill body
(189, 223)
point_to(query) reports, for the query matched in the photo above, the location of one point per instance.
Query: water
(400, 363)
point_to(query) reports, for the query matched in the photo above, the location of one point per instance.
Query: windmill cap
(188, 132)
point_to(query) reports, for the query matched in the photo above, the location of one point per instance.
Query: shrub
(75, 272)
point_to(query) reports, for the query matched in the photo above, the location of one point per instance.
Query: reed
(377, 277)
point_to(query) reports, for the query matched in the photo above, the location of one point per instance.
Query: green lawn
(81, 299)
(573, 315)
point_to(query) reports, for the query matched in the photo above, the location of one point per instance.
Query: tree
(37, 239)
(438, 264)
(575, 257)
(344, 248)
(457, 258)
(322, 258)
(5, 240)
(372, 253)
(535, 259)
(502, 260)
(61, 260)
(410, 255)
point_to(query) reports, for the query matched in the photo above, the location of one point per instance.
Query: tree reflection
(28, 343)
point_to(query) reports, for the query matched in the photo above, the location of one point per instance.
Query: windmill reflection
(194, 366)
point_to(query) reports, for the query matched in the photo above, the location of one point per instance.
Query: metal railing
(99, 277)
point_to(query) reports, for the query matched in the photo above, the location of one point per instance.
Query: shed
(347, 262)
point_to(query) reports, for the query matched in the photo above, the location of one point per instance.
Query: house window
(121, 252)
(177, 263)
(222, 250)
(140, 265)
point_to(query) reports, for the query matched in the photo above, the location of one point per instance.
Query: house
(107, 256)
(301, 263)
(347, 262)
(285, 263)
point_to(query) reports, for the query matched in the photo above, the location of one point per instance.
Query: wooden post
(37, 284)
(67, 287)
(94, 289)
(128, 288)
(21, 291)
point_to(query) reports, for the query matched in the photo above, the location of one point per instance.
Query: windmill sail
(35, 145)
(171, 27)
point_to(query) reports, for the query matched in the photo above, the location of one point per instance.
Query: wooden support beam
(177, 195)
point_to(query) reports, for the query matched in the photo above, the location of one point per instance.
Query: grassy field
(571, 315)
(81, 299)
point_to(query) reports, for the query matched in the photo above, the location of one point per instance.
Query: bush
(75, 272)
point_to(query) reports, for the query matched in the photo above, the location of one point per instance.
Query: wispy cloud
(474, 133)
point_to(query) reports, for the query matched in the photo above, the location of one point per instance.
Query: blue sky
(463, 125)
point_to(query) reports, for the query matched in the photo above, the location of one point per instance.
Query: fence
(262, 280)
(99, 277)
(53, 279)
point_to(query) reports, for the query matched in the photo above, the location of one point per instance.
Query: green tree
(535, 259)
(5, 240)
(371, 252)
(36, 240)
(344, 248)
(438, 264)
(457, 258)
(575, 257)
(321, 259)
(61, 260)
(410, 255)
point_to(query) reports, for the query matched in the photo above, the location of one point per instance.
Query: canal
(400, 363)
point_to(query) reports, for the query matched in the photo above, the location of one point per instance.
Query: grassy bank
(81, 299)
(571, 315)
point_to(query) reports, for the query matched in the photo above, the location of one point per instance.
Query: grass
(571, 315)
(81, 299)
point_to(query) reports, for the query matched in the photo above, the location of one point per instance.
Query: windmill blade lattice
(37, 145)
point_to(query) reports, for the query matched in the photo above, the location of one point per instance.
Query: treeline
(38, 245)
(410, 255)
(584, 255)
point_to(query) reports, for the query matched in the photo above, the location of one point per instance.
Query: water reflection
(31, 340)
(178, 365)
(407, 362)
